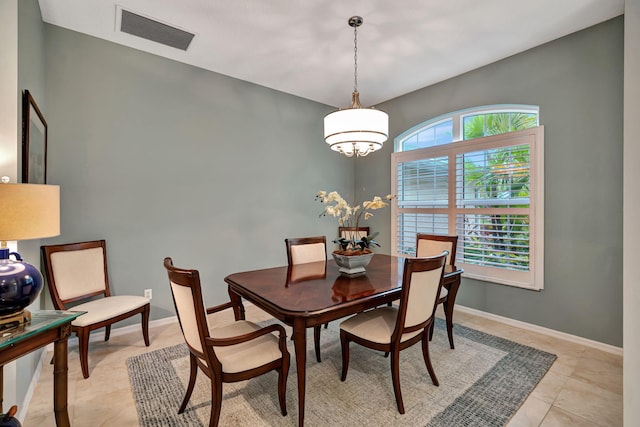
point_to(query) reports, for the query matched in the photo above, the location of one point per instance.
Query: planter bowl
(352, 264)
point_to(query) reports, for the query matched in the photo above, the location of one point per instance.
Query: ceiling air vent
(158, 32)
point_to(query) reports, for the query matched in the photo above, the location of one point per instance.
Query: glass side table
(45, 327)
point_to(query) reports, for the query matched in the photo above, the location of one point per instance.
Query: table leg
(238, 310)
(449, 318)
(448, 309)
(300, 344)
(60, 382)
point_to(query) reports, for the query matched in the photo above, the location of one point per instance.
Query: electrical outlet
(148, 293)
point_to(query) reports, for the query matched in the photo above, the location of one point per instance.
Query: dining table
(308, 295)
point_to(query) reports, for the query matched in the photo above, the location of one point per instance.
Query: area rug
(483, 382)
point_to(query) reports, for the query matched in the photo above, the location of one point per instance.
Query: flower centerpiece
(353, 245)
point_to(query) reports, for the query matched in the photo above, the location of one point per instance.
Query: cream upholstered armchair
(391, 329)
(77, 274)
(235, 352)
(302, 250)
(433, 244)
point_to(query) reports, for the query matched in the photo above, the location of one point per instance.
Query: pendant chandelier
(356, 130)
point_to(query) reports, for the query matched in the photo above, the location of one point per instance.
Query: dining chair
(430, 245)
(236, 352)
(353, 235)
(353, 232)
(77, 274)
(392, 329)
(301, 250)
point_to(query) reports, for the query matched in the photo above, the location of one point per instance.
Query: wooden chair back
(76, 272)
(421, 284)
(433, 244)
(356, 233)
(301, 250)
(187, 298)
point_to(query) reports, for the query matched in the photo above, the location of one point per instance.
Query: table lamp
(27, 211)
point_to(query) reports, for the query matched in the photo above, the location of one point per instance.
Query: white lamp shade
(29, 211)
(359, 130)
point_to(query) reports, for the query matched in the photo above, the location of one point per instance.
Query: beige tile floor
(582, 388)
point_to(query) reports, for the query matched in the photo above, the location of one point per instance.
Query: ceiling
(306, 48)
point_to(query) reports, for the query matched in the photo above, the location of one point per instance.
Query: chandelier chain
(355, 58)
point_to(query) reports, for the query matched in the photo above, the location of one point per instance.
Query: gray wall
(31, 73)
(164, 159)
(8, 145)
(578, 83)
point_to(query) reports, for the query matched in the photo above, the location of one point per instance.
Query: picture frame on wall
(34, 142)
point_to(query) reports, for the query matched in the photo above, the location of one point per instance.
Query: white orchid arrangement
(349, 216)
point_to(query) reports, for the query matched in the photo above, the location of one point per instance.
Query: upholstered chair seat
(247, 355)
(106, 308)
(376, 325)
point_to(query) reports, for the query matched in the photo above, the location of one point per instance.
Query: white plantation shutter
(486, 190)
(424, 185)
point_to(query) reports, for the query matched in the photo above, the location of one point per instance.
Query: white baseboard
(542, 330)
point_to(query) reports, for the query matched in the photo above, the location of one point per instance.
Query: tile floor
(582, 388)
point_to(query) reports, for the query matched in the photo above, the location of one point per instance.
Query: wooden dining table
(308, 295)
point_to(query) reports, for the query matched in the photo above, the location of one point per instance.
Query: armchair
(236, 352)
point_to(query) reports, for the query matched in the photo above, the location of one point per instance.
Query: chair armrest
(222, 342)
(221, 307)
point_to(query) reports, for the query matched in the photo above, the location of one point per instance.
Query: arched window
(477, 173)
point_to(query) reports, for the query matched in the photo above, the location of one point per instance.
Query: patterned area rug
(483, 382)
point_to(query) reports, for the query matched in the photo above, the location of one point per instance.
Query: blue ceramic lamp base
(20, 285)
